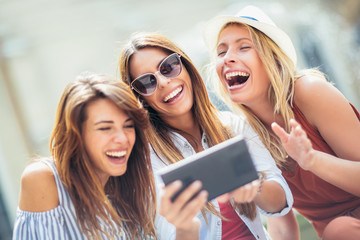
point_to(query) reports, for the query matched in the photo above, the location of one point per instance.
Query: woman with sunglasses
(254, 63)
(185, 122)
(99, 183)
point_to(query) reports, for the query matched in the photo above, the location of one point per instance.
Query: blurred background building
(46, 44)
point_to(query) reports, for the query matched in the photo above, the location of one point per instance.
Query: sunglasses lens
(145, 85)
(171, 67)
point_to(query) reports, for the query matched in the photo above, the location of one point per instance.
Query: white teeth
(116, 154)
(173, 94)
(233, 74)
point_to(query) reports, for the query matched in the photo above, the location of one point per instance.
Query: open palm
(296, 143)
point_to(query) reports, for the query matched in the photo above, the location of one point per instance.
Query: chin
(119, 173)
(236, 99)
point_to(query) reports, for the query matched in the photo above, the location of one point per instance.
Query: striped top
(58, 223)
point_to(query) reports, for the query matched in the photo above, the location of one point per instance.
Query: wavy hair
(127, 200)
(282, 75)
(204, 111)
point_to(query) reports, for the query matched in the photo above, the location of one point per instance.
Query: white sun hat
(255, 18)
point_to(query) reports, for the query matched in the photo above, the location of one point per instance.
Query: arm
(337, 123)
(343, 172)
(283, 227)
(275, 198)
(270, 199)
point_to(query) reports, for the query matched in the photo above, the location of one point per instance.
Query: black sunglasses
(170, 67)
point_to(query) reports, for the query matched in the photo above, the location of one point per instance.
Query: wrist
(316, 160)
(313, 160)
(188, 234)
(189, 231)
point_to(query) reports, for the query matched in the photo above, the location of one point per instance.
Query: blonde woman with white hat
(254, 68)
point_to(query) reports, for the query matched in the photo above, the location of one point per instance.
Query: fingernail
(204, 194)
(177, 183)
(196, 183)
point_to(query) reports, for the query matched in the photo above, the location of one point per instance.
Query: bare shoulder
(314, 94)
(38, 190)
(313, 86)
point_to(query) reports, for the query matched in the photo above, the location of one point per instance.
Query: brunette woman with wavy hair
(99, 182)
(184, 122)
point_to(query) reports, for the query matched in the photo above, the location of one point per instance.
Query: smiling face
(109, 136)
(239, 67)
(173, 97)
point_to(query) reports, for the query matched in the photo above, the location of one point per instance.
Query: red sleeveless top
(234, 228)
(314, 198)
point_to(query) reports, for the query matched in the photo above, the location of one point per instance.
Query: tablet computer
(221, 168)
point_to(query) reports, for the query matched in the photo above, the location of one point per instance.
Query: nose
(162, 80)
(230, 57)
(120, 137)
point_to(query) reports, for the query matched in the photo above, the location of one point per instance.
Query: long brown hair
(204, 111)
(282, 74)
(129, 199)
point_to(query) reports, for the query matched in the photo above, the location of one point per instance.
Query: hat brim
(214, 26)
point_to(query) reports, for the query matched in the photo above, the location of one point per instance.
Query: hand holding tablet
(221, 168)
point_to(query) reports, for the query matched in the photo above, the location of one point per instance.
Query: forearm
(284, 227)
(342, 173)
(272, 197)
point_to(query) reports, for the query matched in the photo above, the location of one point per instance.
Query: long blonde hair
(204, 111)
(282, 75)
(128, 199)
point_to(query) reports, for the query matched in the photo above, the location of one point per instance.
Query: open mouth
(116, 155)
(236, 78)
(173, 95)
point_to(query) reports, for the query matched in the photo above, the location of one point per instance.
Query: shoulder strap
(50, 163)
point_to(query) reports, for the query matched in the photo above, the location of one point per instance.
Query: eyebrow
(236, 41)
(103, 121)
(110, 121)
(128, 120)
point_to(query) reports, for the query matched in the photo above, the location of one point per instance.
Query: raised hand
(296, 143)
